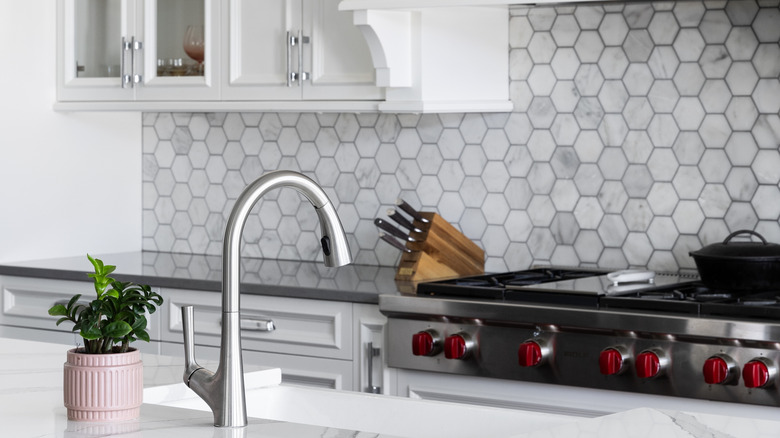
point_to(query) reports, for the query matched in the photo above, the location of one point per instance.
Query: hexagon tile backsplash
(640, 131)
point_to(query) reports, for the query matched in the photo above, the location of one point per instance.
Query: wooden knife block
(441, 251)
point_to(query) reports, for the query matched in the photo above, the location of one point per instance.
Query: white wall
(70, 183)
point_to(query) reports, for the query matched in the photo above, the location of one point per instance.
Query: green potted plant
(104, 378)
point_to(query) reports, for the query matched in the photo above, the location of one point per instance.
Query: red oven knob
(426, 343)
(758, 373)
(650, 363)
(612, 360)
(719, 369)
(532, 352)
(457, 346)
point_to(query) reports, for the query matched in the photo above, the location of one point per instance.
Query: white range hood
(437, 56)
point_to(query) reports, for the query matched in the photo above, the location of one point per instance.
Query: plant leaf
(58, 310)
(91, 334)
(142, 335)
(139, 324)
(73, 300)
(117, 329)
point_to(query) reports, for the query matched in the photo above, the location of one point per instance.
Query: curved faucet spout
(223, 390)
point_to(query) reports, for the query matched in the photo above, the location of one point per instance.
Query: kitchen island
(31, 406)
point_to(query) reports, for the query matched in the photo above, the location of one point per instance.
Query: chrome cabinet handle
(125, 48)
(371, 353)
(137, 47)
(258, 324)
(290, 42)
(302, 75)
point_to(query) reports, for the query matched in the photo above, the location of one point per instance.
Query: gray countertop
(298, 279)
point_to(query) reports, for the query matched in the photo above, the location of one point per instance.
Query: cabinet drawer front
(302, 327)
(26, 302)
(296, 370)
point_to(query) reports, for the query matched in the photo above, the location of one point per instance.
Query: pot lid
(743, 250)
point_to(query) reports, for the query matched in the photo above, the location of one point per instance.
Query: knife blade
(394, 242)
(393, 231)
(401, 220)
(408, 209)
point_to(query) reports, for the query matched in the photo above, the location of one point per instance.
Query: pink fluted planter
(103, 387)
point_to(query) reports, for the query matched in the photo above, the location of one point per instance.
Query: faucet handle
(190, 366)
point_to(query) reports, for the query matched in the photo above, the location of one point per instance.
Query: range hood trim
(428, 61)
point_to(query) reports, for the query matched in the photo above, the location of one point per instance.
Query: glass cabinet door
(180, 50)
(98, 33)
(126, 50)
(90, 49)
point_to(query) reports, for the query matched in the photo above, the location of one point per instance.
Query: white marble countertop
(31, 406)
(31, 403)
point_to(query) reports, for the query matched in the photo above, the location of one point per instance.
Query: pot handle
(736, 233)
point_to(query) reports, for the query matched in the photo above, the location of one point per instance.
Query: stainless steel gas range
(662, 334)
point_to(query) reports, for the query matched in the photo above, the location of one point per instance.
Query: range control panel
(641, 363)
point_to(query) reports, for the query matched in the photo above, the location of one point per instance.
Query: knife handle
(401, 220)
(393, 231)
(408, 209)
(394, 242)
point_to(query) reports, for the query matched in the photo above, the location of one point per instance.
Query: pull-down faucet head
(223, 390)
(335, 250)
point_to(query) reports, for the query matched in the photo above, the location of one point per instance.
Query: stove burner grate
(494, 286)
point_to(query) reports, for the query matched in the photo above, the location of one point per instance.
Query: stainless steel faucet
(223, 390)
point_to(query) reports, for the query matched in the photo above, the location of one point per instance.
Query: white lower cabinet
(25, 305)
(370, 372)
(319, 343)
(296, 370)
(302, 327)
(331, 344)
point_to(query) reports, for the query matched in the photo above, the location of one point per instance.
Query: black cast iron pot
(739, 266)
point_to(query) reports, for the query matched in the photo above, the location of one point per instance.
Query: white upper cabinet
(293, 50)
(212, 55)
(134, 50)
(283, 55)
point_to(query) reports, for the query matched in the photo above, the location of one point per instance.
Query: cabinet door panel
(302, 327)
(89, 49)
(256, 64)
(169, 72)
(337, 56)
(26, 301)
(296, 370)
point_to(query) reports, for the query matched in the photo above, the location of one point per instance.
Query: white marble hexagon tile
(640, 131)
